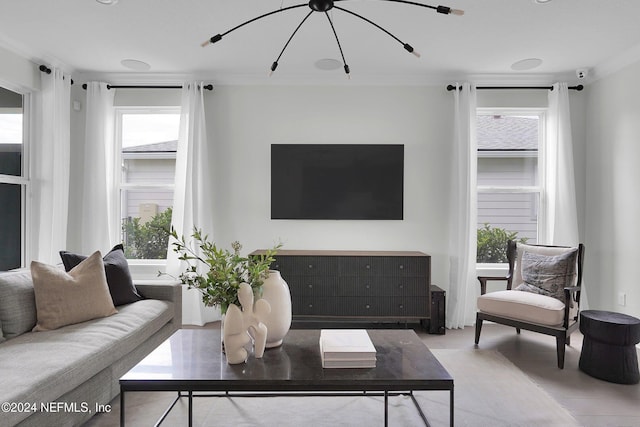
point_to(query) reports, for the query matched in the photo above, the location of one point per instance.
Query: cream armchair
(542, 293)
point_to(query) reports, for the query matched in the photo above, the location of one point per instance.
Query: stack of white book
(346, 348)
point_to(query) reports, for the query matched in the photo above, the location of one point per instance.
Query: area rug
(489, 391)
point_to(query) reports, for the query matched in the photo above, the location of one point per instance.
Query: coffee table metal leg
(166, 412)
(386, 408)
(451, 408)
(190, 408)
(417, 405)
(121, 407)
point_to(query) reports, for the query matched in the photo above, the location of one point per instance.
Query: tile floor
(593, 402)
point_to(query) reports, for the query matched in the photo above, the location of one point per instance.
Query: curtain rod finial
(212, 40)
(449, 11)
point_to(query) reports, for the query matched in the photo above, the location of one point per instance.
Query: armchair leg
(478, 329)
(518, 331)
(560, 348)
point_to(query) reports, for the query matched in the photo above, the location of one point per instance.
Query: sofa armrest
(163, 290)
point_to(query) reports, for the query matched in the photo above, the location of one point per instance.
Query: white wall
(612, 182)
(244, 121)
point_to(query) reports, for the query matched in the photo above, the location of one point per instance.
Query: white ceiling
(90, 39)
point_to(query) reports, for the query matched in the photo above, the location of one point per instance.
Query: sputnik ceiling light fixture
(325, 6)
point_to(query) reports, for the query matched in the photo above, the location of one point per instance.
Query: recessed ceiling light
(526, 64)
(328, 64)
(542, 1)
(107, 2)
(134, 64)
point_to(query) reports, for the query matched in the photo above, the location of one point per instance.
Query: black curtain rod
(578, 87)
(47, 70)
(208, 87)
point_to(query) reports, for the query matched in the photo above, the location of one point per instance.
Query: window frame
(24, 179)
(499, 268)
(141, 267)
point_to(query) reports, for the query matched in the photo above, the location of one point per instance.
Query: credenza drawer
(305, 265)
(382, 266)
(361, 307)
(382, 286)
(312, 286)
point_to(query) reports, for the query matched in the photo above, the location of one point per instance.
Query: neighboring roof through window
(157, 147)
(507, 133)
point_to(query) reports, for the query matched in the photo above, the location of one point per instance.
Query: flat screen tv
(342, 181)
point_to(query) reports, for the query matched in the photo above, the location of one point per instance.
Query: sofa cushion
(66, 298)
(548, 274)
(42, 366)
(525, 306)
(2, 338)
(116, 267)
(17, 302)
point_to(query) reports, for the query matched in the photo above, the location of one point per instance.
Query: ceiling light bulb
(416, 53)
(457, 12)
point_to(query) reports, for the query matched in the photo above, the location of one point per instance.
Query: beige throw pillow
(66, 298)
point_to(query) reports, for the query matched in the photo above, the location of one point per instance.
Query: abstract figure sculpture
(242, 326)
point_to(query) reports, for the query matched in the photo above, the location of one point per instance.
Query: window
(509, 185)
(13, 180)
(148, 140)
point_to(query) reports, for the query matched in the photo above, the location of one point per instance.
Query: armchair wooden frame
(561, 332)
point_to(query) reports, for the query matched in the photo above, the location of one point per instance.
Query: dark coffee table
(194, 363)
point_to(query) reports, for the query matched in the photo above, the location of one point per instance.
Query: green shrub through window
(147, 240)
(492, 244)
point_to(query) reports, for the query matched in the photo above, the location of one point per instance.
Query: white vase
(276, 291)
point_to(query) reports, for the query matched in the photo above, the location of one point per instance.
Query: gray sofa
(61, 377)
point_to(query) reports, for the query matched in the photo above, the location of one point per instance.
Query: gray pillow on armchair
(548, 274)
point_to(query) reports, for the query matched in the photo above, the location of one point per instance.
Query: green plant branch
(225, 269)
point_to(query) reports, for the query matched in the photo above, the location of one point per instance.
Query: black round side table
(608, 348)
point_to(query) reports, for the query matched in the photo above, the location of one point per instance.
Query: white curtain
(193, 194)
(50, 167)
(561, 214)
(463, 287)
(100, 193)
(561, 218)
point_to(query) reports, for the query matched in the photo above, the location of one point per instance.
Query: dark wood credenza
(356, 284)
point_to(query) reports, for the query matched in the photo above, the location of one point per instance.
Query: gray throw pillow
(17, 303)
(548, 274)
